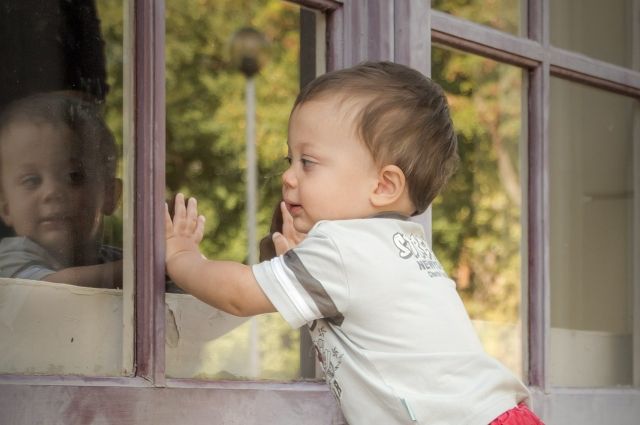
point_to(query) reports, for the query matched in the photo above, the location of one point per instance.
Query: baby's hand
(290, 237)
(185, 232)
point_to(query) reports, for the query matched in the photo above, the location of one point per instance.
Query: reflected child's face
(53, 191)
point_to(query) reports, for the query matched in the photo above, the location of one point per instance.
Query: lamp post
(247, 55)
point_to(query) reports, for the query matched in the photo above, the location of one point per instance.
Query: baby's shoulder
(19, 244)
(369, 225)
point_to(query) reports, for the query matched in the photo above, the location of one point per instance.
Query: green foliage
(205, 118)
(206, 112)
(503, 15)
(476, 220)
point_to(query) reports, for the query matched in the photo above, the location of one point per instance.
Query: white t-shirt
(20, 257)
(391, 332)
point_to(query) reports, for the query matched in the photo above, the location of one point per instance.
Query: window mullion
(537, 282)
(479, 39)
(149, 123)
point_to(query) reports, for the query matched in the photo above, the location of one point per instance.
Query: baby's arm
(107, 275)
(226, 285)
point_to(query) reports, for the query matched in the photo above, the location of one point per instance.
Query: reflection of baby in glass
(57, 181)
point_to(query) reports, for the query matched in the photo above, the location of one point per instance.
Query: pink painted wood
(149, 119)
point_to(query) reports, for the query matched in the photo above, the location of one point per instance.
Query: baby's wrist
(183, 257)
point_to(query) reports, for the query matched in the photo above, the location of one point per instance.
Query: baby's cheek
(87, 198)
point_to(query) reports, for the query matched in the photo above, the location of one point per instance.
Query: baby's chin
(64, 248)
(302, 226)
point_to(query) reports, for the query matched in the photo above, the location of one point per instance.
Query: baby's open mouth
(58, 219)
(294, 208)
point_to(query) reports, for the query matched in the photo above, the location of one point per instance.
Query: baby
(369, 146)
(57, 182)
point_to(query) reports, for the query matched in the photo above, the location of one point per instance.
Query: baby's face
(51, 194)
(332, 173)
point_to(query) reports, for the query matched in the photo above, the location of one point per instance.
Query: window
(601, 30)
(503, 15)
(579, 213)
(477, 226)
(592, 220)
(206, 158)
(61, 142)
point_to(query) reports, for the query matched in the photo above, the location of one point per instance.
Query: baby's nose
(53, 189)
(289, 178)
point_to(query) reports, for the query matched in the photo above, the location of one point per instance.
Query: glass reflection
(57, 181)
(60, 215)
(600, 29)
(477, 227)
(504, 15)
(206, 158)
(592, 216)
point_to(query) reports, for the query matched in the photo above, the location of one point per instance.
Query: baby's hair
(82, 117)
(403, 119)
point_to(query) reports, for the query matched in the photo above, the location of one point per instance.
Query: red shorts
(519, 415)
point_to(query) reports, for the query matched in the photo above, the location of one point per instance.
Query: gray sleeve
(306, 283)
(24, 259)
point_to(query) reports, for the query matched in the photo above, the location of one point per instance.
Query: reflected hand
(290, 237)
(185, 231)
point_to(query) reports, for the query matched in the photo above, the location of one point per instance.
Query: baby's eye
(306, 163)
(77, 177)
(30, 181)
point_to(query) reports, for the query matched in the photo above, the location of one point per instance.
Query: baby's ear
(390, 186)
(113, 192)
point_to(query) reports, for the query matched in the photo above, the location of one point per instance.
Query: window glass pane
(503, 15)
(476, 220)
(206, 123)
(60, 188)
(591, 157)
(600, 29)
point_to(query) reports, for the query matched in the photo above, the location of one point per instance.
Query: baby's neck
(86, 254)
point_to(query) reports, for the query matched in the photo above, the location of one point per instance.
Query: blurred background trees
(205, 112)
(478, 219)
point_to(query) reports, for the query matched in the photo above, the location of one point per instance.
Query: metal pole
(252, 207)
(252, 174)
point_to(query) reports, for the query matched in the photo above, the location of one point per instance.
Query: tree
(477, 231)
(476, 221)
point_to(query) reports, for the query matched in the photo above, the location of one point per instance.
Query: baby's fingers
(293, 236)
(287, 219)
(198, 232)
(179, 212)
(280, 243)
(168, 224)
(192, 215)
